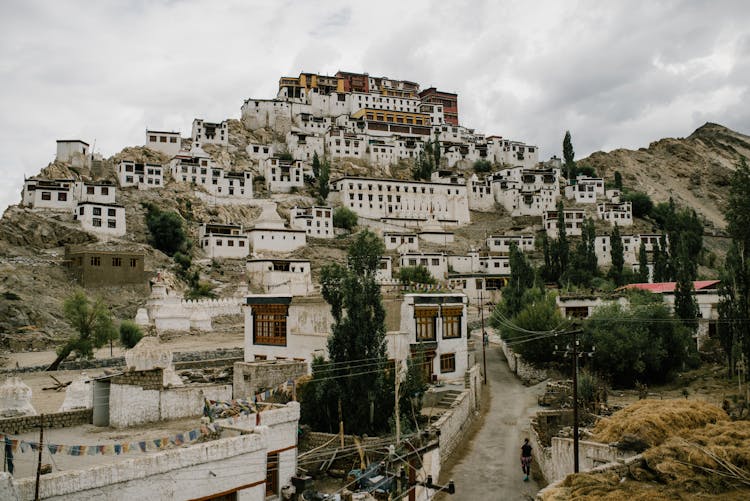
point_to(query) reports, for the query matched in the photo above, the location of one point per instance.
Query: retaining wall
(619, 468)
(524, 370)
(16, 425)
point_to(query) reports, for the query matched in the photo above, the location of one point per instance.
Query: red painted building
(449, 101)
(355, 82)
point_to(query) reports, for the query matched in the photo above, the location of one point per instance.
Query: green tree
(618, 180)
(561, 247)
(354, 380)
(661, 260)
(436, 150)
(685, 307)
(569, 168)
(616, 253)
(167, 231)
(642, 204)
(586, 170)
(522, 278)
(734, 305)
(323, 177)
(481, 166)
(316, 165)
(344, 218)
(642, 263)
(415, 274)
(93, 327)
(639, 343)
(130, 333)
(583, 263)
(538, 313)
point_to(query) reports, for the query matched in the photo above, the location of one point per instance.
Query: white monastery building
(169, 143)
(585, 190)
(620, 214)
(281, 276)
(317, 221)
(573, 219)
(102, 218)
(210, 133)
(143, 176)
(224, 241)
(271, 235)
(502, 243)
(283, 175)
(74, 152)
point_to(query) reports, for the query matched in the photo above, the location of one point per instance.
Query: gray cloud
(617, 74)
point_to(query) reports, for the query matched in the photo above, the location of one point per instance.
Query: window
(111, 223)
(111, 212)
(447, 362)
(62, 197)
(89, 190)
(97, 222)
(105, 190)
(133, 262)
(97, 211)
(452, 321)
(269, 324)
(426, 319)
(272, 473)
(96, 261)
(116, 261)
(46, 195)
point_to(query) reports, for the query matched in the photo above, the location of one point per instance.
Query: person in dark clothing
(526, 458)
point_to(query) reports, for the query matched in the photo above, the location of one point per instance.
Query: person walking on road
(526, 459)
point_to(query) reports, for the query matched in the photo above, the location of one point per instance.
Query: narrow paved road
(489, 467)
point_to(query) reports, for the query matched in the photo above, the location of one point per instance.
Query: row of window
(116, 261)
(162, 139)
(414, 189)
(156, 181)
(426, 322)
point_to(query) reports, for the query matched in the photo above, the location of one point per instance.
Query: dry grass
(654, 420)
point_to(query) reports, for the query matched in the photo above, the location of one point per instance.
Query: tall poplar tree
(642, 263)
(616, 253)
(569, 156)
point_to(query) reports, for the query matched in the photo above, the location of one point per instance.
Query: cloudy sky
(617, 74)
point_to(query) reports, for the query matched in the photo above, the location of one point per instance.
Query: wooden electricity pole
(39, 461)
(484, 355)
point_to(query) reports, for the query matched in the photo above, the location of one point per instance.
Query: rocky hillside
(695, 170)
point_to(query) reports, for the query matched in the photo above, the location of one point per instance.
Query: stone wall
(620, 468)
(253, 377)
(590, 456)
(544, 426)
(147, 380)
(454, 424)
(524, 370)
(182, 358)
(16, 425)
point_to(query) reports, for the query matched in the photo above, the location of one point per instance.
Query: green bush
(344, 218)
(415, 274)
(586, 170)
(167, 232)
(130, 334)
(642, 204)
(482, 166)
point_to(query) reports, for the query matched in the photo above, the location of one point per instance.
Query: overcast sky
(617, 74)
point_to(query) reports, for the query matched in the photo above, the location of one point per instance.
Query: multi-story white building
(526, 192)
(169, 143)
(620, 214)
(407, 203)
(384, 273)
(283, 175)
(574, 219)
(102, 218)
(502, 243)
(432, 326)
(316, 221)
(224, 241)
(435, 262)
(281, 276)
(631, 247)
(401, 241)
(57, 194)
(74, 152)
(585, 190)
(210, 133)
(144, 176)
(258, 151)
(481, 197)
(341, 143)
(199, 169)
(304, 146)
(102, 193)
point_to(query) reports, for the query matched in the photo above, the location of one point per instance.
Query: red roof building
(669, 287)
(449, 101)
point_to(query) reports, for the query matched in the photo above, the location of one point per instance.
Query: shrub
(167, 232)
(642, 204)
(130, 334)
(482, 166)
(586, 170)
(344, 218)
(415, 274)
(11, 296)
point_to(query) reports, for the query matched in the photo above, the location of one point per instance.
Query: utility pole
(398, 411)
(575, 333)
(39, 461)
(484, 355)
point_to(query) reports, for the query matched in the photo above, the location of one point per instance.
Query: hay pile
(652, 421)
(708, 463)
(695, 453)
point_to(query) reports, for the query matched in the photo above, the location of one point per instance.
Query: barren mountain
(695, 170)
